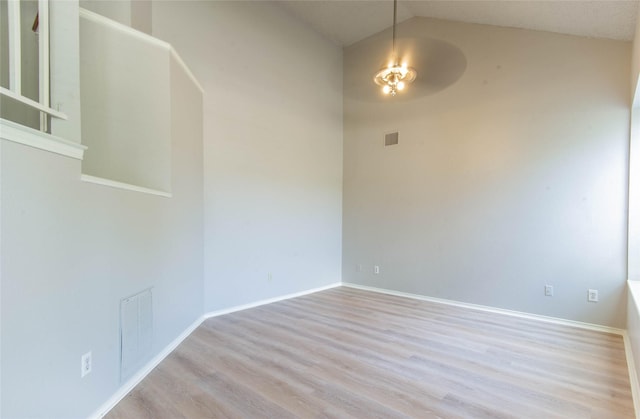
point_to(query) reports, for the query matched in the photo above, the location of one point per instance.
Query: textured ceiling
(346, 22)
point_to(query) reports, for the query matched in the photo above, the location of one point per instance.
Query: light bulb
(400, 85)
(386, 89)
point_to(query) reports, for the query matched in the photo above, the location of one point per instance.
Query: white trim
(122, 185)
(95, 17)
(186, 69)
(20, 134)
(15, 48)
(30, 102)
(144, 371)
(547, 319)
(269, 301)
(633, 375)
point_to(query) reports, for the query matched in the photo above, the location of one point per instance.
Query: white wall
(634, 163)
(125, 90)
(118, 10)
(133, 13)
(512, 178)
(633, 249)
(635, 60)
(71, 250)
(64, 55)
(272, 146)
(633, 322)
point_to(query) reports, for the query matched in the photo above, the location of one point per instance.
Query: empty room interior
(369, 209)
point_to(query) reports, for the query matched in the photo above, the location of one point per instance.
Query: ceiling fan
(395, 76)
(417, 65)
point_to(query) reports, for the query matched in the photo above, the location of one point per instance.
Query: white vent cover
(391, 139)
(136, 331)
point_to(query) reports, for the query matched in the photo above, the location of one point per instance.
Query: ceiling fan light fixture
(394, 79)
(395, 76)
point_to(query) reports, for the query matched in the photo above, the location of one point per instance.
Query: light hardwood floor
(352, 353)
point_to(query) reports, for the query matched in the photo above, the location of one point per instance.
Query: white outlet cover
(592, 296)
(376, 269)
(85, 364)
(548, 290)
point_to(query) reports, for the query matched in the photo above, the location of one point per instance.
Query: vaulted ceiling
(346, 22)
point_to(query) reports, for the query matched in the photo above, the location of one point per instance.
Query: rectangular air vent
(136, 331)
(391, 139)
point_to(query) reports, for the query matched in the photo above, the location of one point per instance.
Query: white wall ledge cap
(11, 131)
(122, 185)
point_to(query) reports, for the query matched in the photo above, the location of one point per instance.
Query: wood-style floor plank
(349, 353)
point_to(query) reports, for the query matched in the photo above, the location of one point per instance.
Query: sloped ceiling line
(347, 22)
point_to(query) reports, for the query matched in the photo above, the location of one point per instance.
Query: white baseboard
(140, 375)
(269, 300)
(547, 319)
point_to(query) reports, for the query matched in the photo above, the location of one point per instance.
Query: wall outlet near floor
(85, 364)
(593, 296)
(269, 276)
(548, 290)
(376, 269)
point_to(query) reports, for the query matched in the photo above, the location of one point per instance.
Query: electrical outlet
(376, 269)
(548, 290)
(85, 364)
(593, 296)
(269, 276)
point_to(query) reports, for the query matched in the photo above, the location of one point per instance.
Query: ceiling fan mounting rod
(393, 44)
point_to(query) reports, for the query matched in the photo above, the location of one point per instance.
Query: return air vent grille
(391, 139)
(136, 331)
